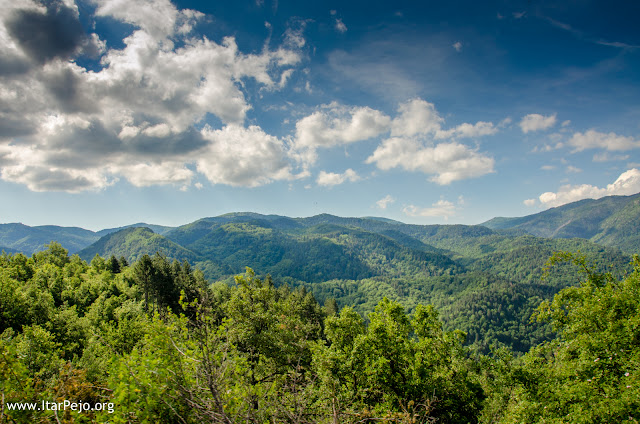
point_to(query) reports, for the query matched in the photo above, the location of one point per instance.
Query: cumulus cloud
(458, 46)
(135, 113)
(50, 31)
(337, 125)
(239, 156)
(385, 201)
(596, 140)
(537, 122)
(158, 18)
(416, 117)
(441, 208)
(331, 179)
(147, 174)
(627, 183)
(445, 162)
(530, 202)
(412, 145)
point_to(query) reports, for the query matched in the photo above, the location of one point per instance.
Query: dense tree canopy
(158, 344)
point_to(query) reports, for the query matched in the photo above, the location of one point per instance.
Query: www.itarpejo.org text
(60, 406)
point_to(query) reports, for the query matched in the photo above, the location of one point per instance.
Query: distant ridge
(611, 221)
(28, 240)
(379, 218)
(158, 229)
(134, 242)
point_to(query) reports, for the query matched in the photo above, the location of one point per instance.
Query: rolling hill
(485, 280)
(134, 242)
(610, 221)
(26, 239)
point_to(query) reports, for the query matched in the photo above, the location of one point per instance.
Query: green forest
(151, 340)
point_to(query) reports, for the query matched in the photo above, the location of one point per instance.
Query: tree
(143, 271)
(590, 372)
(113, 265)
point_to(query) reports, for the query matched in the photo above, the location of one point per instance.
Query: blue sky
(120, 111)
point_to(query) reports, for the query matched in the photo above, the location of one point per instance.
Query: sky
(114, 112)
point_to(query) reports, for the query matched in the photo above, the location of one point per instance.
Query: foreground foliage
(159, 344)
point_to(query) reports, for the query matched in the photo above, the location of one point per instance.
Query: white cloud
(340, 26)
(547, 167)
(458, 46)
(136, 115)
(606, 157)
(547, 147)
(573, 169)
(537, 122)
(416, 117)
(505, 122)
(148, 174)
(530, 202)
(411, 145)
(331, 179)
(159, 18)
(337, 125)
(627, 183)
(445, 162)
(26, 165)
(385, 201)
(240, 156)
(442, 208)
(466, 130)
(596, 140)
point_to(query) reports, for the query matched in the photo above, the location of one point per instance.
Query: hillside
(158, 229)
(134, 242)
(486, 282)
(612, 221)
(17, 237)
(28, 240)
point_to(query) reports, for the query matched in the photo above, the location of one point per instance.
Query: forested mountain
(485, 282)
(158, 229)
(132, 243)
(8, 250)
(29, 240)
(23, 238)
(611, 221)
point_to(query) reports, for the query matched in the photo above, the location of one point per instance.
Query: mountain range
(485, 279)
(610, 221)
